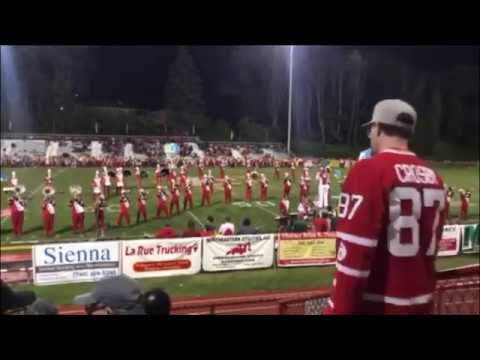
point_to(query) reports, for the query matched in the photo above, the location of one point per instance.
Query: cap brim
(368, 123)
(84, 299)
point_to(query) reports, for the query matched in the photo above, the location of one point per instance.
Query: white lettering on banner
(239, 252)
(161, 257)
(450, 242)
(75, 262)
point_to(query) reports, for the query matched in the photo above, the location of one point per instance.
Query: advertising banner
(306, 249)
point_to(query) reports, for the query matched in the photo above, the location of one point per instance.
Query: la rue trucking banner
(239, 252)
(162, 257)
(450, 243)
(75, 262)
(306, 249)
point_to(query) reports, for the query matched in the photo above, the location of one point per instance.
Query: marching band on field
(168, 197)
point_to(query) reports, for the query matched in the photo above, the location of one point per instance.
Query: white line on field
(268, 211)
(195, 218)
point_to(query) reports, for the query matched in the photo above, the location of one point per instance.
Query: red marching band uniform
(188, 196)
(287, 184)
(158, 175)
(303, 189)
(174, 201)
(162, 202)
(450, 194)
(248, 188)
(100, 206)
(263, 188)
(106, 182)
(124, 209)
(77, 212)
(464, 203)
(48, 215)
(142, 205)
(205, 190)
(276, 171)
(222, 170)
(284, 206)
(17, 209)
(227, 190)
(138, 177)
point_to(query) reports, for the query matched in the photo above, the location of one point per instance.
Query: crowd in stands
(118, 295)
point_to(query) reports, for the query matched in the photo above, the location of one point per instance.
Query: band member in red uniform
(222, 169)
(292, 171)
(276, 170)
(120, 182)
(172, 178)
(162, 199)
(138, 177)
(284, 206)
(287, 184)
(48, 211)
(306, 178)
(188, 196)
(200, 170)
(211, 181)
(79, 207)
(73, 214)
(142, 205)
(174, 201)
(158, 176)
(17, 209)
(248, 188)
(100, 206)
(205, 190)
(303, 188)
(106, 182)
(227, 190)
(263, 188)
(450, 195)
(183, 177)
(464, 203)
(96, 186)
(124, 209)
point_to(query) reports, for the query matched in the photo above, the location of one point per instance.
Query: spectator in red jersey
(391, 216)
(321, 222)
(191, 230)
(167, 232)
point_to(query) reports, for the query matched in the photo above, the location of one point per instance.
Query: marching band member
(100, 206)
(49, 178)
(205, 190)
(450, 195)
(14, 180)
(48, 210)
(323, 178)
(188, 199)
(96, 186)
(222, 169)
(287, 184)
(303, 188)
(248, 188)
(78, 212)
(227, 190)
(107, 183)
(211, 181)
(124, 209)
(292, 171)
(276, 170)
(464, 203)
(119, 177)
(138, 177)
(200, 170)
(17, 210)
(158, 175)
(174, 201)
(284, 206)
(306, 178)
(263, 188)
(142, 205)
(162, 202)
(183, 177)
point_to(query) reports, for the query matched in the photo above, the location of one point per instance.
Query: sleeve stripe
(417, 300)
(352, 272)
(357, 239)
(330, 303)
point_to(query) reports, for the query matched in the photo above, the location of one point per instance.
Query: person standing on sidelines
(391, 216)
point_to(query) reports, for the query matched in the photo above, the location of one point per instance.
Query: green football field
(262, 214)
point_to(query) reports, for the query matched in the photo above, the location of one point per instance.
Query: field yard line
(268, 211)
(196, 219)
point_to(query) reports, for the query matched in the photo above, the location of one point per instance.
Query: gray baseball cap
(117, 292)
(394, 112)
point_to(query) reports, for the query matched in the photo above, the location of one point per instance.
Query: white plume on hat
(13, 174)
(49, 172)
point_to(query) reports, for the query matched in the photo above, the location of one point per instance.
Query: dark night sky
(137, 74)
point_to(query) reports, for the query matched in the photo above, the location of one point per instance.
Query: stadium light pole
(290, 100)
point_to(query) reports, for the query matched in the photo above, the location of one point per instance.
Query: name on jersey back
(408, 173)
